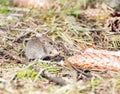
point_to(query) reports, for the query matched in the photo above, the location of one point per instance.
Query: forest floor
(65, 21)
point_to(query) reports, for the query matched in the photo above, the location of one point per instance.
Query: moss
(4, 10)
(27, 73)
(3, 2)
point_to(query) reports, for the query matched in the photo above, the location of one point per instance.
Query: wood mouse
(39, 48)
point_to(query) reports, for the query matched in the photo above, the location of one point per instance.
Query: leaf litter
(72, 32)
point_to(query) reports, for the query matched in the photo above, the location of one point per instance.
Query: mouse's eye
(50, 52)
(51, 42)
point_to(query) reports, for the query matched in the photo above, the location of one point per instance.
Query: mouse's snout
(54, 52)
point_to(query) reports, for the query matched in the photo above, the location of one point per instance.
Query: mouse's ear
(44, 39)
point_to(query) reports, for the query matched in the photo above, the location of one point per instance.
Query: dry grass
(19, 24)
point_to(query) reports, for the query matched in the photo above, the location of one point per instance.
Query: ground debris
(73, 30)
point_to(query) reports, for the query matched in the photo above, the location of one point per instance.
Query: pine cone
(97, 59)
(33, 3)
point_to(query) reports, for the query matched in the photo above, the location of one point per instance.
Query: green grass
(3, 7)
(26, 73)
(3, 2)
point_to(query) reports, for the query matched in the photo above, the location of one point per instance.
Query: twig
(19, 9)
(79, 70)
(50, 77)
